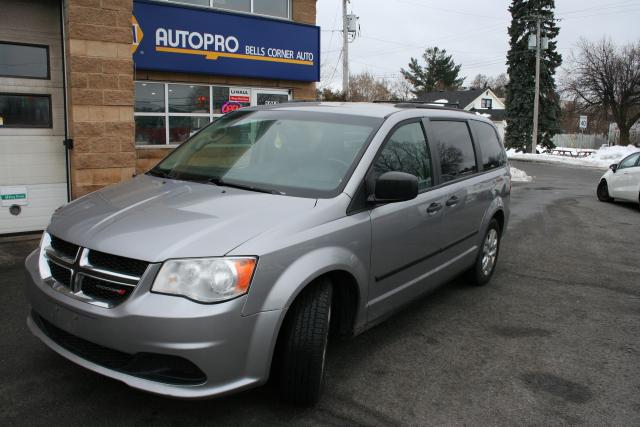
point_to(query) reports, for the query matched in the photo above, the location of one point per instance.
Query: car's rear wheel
(603, 192)
(303, 344)
(481, 272)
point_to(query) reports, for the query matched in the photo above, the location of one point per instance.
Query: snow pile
(518, 175)
(601, 158)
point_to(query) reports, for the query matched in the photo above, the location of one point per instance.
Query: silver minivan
(269, 231)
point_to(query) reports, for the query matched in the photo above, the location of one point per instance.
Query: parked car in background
(621, 181)
(236, 256)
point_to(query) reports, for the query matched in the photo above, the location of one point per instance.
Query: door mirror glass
(393, 187)
(614, 167)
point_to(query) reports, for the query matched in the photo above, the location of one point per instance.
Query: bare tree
(365, 87)
(497, 84)
(401, 89)
(604, 76)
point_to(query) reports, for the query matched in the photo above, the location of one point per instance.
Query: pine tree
(521, 70)
(438, 73)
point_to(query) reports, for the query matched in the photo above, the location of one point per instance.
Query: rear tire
(303, 344)
(603, 192)
(480, 274)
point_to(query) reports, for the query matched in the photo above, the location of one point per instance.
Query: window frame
(46, 48)
(39, 95)
(367, 177)
(483, 102)
(212, 6)
(432, 138)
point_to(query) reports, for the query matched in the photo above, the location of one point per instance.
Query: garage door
(33, 178)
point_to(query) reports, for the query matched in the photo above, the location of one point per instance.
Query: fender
(267, 294)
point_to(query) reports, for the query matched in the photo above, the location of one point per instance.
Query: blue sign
(169, 37)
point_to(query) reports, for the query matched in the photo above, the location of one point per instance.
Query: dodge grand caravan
(239, 254)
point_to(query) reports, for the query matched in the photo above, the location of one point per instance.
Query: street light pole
(345, 51)
(536, 99)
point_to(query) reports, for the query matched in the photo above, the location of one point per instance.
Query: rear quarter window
(492, 153)
(457, 156)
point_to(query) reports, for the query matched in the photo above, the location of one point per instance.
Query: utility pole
(345, 51)
(536, 99)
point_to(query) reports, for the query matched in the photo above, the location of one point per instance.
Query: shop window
(188, 99)
(182, 127)
(24, 60)
(149, 97)
(150, 130)
(25, 111)
(238, 5)
(195, 2)
(279, 8)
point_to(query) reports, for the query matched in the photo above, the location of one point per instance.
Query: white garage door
(33, 177)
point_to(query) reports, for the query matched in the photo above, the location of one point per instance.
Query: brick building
(123, 82)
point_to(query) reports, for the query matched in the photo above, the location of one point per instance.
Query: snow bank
(601, 158)
(518, 175)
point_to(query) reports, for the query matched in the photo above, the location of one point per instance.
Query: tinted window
(29, 61)
(272, 7)
(493, 156)
(457, 157)
(406, 151)
(188, 98)
(25, 111)
(629, 161)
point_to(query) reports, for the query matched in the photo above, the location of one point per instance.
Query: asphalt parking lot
(554, 339)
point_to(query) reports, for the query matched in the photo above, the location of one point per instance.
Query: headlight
(205, 279)
(45, 242)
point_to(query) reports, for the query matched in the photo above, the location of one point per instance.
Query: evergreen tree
(521, 70)
(438, 73)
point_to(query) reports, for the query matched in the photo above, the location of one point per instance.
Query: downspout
(68, 142)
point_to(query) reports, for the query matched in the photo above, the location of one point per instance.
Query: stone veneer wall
(101, 92)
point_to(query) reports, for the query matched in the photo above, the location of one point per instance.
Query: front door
(405, 235)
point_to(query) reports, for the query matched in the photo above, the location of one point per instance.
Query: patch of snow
(518, 175)
(601, 158)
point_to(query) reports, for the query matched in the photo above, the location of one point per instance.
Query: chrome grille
(94, 277)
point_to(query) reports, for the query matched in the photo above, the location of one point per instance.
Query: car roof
(370, 109)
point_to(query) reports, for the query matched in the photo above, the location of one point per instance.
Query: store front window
(169, 113)
(276, 8)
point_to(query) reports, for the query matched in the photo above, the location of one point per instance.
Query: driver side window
(406, 151)
(629, 161)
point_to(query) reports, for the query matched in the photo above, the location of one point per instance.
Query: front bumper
(232, 351)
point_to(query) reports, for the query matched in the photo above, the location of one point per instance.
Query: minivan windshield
(298, 153)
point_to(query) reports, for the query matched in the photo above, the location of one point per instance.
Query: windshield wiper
(222, 183)
(160, 174)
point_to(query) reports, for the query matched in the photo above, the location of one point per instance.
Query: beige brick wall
(100, 76)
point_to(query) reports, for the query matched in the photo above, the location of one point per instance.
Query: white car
(621, 181)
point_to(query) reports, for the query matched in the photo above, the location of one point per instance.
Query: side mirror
(395, 187)
(614, 167)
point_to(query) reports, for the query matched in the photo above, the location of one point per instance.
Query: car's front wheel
(303, 344)
(603, 192)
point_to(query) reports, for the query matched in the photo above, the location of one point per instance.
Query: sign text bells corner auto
(206, 41)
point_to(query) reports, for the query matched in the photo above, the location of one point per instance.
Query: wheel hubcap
(489, 251)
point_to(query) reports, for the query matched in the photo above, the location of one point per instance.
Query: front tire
(304, 344)
(480, 274)
(603, 192)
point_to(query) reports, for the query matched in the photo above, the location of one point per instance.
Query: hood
(154, 219)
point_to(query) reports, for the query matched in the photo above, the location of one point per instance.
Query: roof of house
(495, 114)
(460, 97)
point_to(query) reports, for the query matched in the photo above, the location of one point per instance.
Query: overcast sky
(474, 31)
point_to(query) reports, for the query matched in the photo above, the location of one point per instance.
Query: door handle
(453, 200)
(433, 208)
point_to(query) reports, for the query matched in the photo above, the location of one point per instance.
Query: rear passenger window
(457, 157)
(406, 151)
(493, 156)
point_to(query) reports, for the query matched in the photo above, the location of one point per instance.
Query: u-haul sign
(239, 94)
